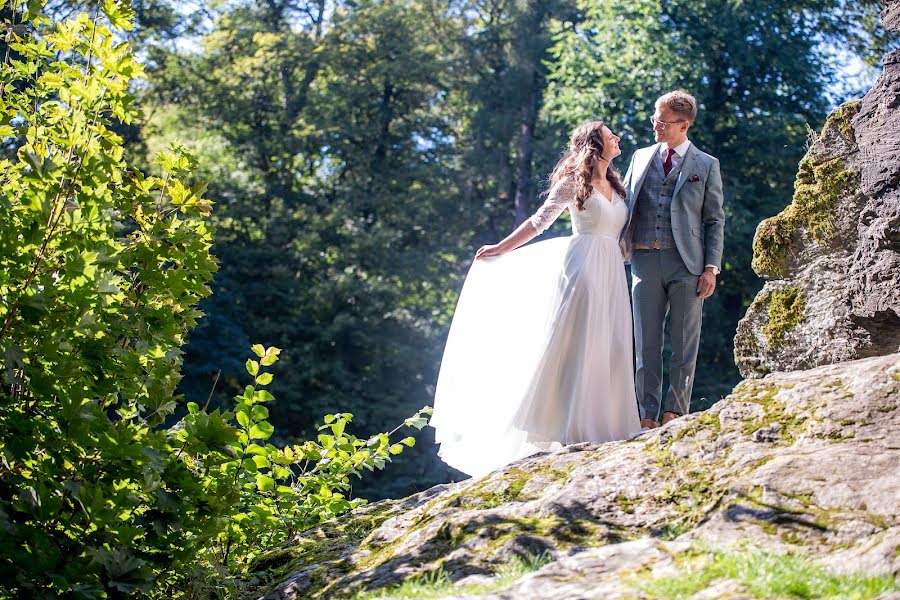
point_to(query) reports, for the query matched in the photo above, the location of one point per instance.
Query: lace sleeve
(560, 196)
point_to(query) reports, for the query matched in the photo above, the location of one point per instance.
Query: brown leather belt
(653, 246)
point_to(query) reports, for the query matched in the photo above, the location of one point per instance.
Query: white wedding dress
(539, 352)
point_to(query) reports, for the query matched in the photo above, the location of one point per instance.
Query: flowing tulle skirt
(539, 354)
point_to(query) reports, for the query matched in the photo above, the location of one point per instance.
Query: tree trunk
(524, 185)
(531, 50)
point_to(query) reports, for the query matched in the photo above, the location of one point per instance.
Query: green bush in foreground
(104, 491)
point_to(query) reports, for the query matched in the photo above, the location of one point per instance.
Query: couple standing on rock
(539, 353)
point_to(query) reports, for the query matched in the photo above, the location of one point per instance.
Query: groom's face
(669, 128)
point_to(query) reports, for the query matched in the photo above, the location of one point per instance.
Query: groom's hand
(707, 284)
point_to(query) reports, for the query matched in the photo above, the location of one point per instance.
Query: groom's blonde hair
(681, 103)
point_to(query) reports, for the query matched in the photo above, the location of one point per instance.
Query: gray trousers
(661, 283)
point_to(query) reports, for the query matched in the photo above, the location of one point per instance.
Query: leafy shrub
(103, 490)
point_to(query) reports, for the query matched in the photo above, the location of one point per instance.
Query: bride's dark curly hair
(579, 160)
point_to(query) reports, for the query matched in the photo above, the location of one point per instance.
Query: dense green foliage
(332, 169)
(107, 486)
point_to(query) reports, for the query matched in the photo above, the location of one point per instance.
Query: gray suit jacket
(698, 219)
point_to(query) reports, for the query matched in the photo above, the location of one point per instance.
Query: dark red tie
(667, 165)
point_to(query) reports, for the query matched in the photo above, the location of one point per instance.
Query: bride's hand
(488, 250)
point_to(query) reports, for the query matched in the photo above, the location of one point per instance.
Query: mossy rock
(786, 307)
(841, 119)
(816, 191)
(818, 186)
(749, 468)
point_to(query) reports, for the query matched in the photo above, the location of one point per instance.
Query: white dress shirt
(680, 150)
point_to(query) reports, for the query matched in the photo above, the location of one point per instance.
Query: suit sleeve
(714, 217)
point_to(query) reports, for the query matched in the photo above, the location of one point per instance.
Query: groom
(675, 230)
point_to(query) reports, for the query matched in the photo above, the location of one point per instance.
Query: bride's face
(610, 144)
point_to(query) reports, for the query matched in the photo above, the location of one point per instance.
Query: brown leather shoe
(669, 416)
(649, 424)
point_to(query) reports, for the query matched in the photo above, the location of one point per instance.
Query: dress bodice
(599, 217)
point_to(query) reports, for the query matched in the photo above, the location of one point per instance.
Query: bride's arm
(560, 196)
(523, 234)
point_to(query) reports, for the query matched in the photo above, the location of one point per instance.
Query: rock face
(890, 15)
(801, 462)
(832, 257)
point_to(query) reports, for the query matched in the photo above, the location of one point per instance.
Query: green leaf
(256, 449)
(264, 379)
(271, 356)
(261, 462)
(261, 431)
(119, 13)
(264, 483)
(283, 490)
(418, 422)
(259, 413)
(252, 366)
(281, 472)
(262, 396)
(258, 350)
(408, 441)
(244, 419)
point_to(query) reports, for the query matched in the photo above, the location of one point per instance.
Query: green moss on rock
(513, 482)
(770, 244)
(789, 427)
(817, 188)
(786, 307)
(841, 119)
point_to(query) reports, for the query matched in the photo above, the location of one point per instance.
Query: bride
(539, 352)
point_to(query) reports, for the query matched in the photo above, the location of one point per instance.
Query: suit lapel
(657, 163)
(686, 167)
(641, 166)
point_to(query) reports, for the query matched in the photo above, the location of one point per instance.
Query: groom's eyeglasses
(663, 124)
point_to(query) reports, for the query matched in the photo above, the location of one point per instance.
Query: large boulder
(832, 257)
(795, 464)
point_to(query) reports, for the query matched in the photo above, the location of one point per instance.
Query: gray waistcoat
(652, 211)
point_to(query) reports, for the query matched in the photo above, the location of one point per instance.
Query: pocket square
(694, 178)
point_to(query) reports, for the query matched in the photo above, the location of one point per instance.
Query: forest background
(358, 152)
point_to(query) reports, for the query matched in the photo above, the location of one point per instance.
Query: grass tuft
(767, 575)
(437, 584)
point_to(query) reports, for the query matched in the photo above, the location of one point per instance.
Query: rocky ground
(802, 463)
